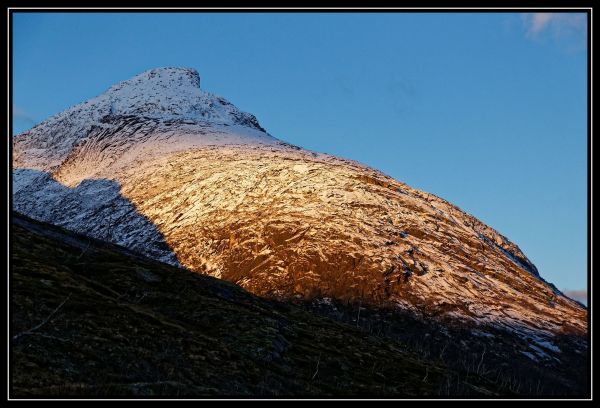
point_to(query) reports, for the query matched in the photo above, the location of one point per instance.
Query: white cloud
(539, 21)
(558, 24)
(19, 113)
(579, 295)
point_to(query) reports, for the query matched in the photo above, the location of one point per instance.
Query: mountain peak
(168, 93)
(171, 93)
(156, 97)
(166, 77)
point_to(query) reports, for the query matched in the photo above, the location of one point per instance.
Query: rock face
(164, 168)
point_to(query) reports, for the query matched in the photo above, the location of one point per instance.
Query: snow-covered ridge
(158, 95)
(165, 93)
(172, 93)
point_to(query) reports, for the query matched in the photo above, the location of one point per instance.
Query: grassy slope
(130, 326)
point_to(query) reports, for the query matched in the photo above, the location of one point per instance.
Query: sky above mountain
(487, 110)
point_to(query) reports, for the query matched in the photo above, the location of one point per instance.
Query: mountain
(159, 166)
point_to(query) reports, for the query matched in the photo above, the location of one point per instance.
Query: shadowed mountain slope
(94, 319)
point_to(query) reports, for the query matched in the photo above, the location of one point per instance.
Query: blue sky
(487, 110)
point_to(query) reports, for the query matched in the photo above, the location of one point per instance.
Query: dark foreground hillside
(92, 319)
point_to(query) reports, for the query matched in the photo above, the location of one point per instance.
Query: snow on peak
(160, 93)
(172, 93)
(168, 77)
(160, 96)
